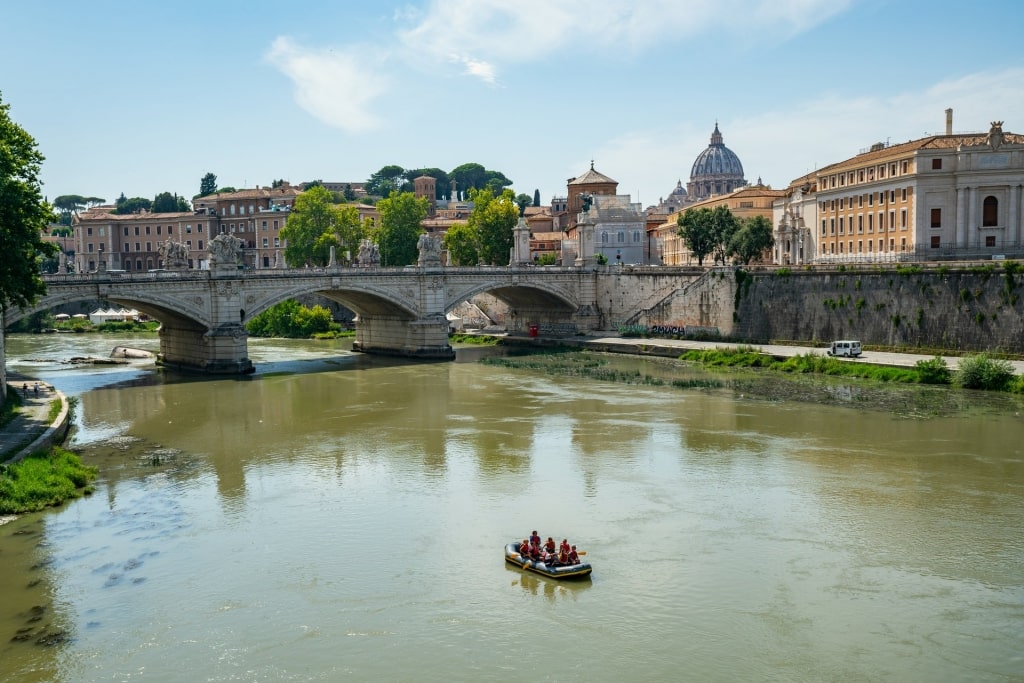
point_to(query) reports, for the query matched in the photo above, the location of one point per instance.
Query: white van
(850, 349)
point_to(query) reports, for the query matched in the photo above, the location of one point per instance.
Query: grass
(42, 480)
(572, 363)
(476, 339)
(11, 407)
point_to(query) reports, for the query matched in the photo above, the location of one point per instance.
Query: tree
(752, 239)
(399, 228)
(208, 185)
(493, 219)
(24, 214)
(697, 232)
(536, 197)
(68, 205)
(349, 193)
(724, 225)
(462, 244)
(165, 202)
(133, 205)
(388, 180)
(280, 182)
(309, 231)
(313, 183)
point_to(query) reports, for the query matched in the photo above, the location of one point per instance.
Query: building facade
(951, 196)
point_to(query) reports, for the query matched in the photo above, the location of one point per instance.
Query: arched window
(990, 212)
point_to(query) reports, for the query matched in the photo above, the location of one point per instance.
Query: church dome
(717, 159)
(717, 170)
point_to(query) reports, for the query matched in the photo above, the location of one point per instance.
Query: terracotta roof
(930, 142)
(592, 177)
(104, 214)
(254, 193)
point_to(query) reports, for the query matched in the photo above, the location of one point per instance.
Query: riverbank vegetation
(293, 320)
(46, 321)
(44, 479)
(973, 372)
(474, 339)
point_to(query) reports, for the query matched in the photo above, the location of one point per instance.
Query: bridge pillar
(220, 351)
(394, 336)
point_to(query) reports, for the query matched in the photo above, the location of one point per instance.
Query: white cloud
(333, 86)
(783, 144)
(497, 32)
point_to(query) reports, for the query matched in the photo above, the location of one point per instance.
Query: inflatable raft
(555, 571)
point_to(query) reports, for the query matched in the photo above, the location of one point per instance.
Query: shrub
(983, 372)
(933, 371)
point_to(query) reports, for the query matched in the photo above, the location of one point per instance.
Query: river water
(339, 517)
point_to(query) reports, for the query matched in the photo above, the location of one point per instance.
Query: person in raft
(535, 538)
(549, 546)
(574, 557)
(563, 551)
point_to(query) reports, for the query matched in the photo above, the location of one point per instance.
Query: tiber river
(337, 517)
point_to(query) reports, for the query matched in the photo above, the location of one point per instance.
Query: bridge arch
(363, 300)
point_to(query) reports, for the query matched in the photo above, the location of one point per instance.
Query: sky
(147, 97)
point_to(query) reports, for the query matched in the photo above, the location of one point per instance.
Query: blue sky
(146, 97)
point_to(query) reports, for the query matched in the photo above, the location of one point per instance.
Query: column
(1012, 223)
(960, 226)
(972, 216)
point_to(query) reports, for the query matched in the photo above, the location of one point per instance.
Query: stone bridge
(400, 311)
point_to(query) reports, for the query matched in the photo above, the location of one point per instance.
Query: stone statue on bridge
(369, 255)
(174, 254)
(430, 249)
(225, 251)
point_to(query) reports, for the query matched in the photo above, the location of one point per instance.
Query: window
(277, 242)
(936, 241)
(127, 265)
(822, 226)
(903, 244)
(103, 232)
(860, 246)
(892, 196)
(136, 231)
(232, 209)
(199, 228)
(860, 201)
(149, 246)
(906, 166)
(832, 226)
(892, 244)
(990, 241)
(841, 231)
(188, 228)
(892, 220)
(200, 245)
(620, 236)
(832, 206)
(936, 218)
(604, 237)
(264, 226)
(871, 223)
(265, 243)
(636, 236)
(990, 212)
(170, 229)
(275, 225)
(840, 247)
(252, 210)
(881, 172)
(138, 246)
(892, 169)
(869, 246)
(903, 219)
(903, 195)
(90, 247)
(860, 224)
(188, 243)
(842, 203)
(871, 199)
(127, 246)
(881, 245)
(860, 175)
(936, 164)
(126, 231)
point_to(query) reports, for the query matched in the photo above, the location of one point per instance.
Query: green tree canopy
(752, 240)
(444, 182)
(708, 232)
(208, 185)
(315, 224)
(386, 181)
(290, 319)
(493, 219)
(463, 245)
(399, 228)
(165, 202)
(126, 205)
(536, 197)
(24, 214)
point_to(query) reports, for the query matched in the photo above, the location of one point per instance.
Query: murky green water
(341, 518)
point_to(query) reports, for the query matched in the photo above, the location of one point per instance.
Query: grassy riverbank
(42, 480)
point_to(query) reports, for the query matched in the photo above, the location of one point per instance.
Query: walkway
(18, 436)
(634, 344)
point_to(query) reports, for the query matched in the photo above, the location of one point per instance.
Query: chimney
(949, 122)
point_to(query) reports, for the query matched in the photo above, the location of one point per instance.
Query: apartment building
(950, 196)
